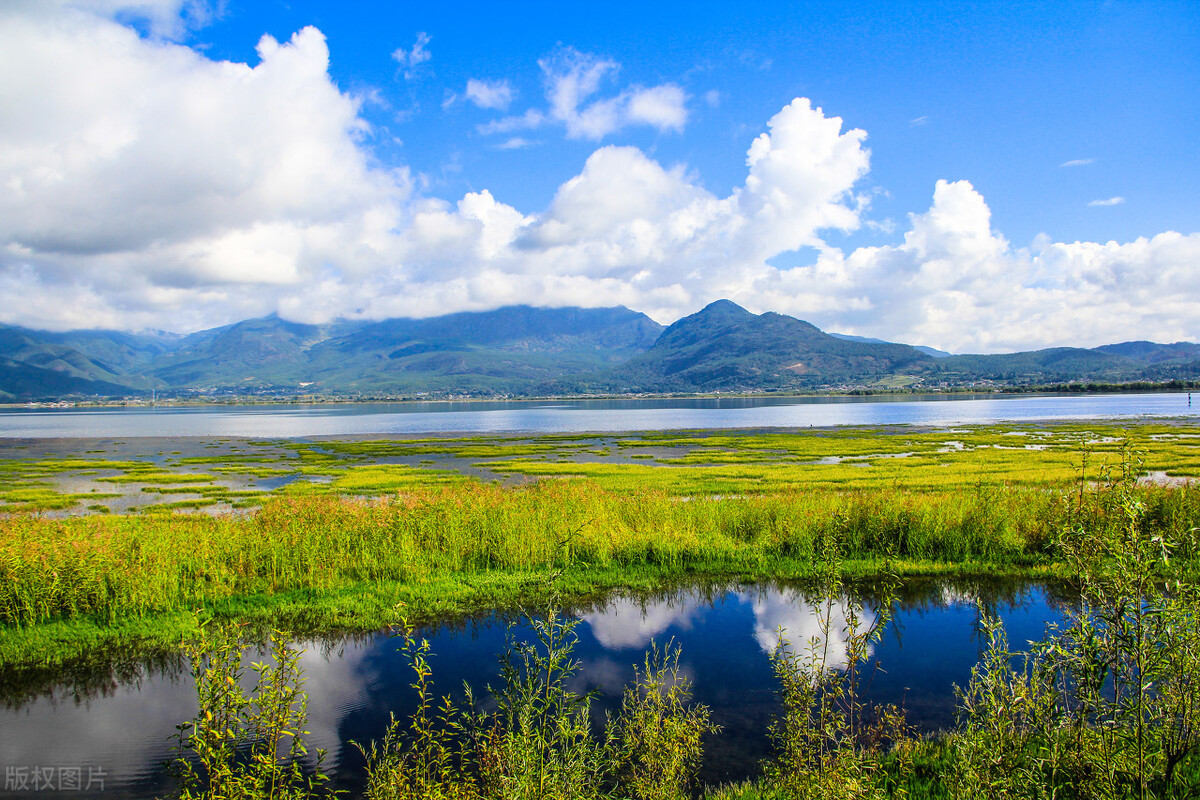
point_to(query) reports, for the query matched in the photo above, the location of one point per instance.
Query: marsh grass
(158, 477)
(685, 463)
(103, 567)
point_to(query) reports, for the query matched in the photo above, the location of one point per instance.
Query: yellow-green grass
(177, 505)
(993, 467)
(208, 491)
(253, 471)
(33, 497)
(388, 478)
(107, 568)
(57, 466)
(158, 477)
(691, 463)
(236, 458)
(476, 447)
(754, 463)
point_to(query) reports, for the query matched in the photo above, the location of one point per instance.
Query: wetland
(901, 548)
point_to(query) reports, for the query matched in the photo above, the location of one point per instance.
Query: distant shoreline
(314, 400)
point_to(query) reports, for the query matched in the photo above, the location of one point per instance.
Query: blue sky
(1004, 175)
(1001, 94)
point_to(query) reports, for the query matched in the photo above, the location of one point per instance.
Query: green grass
(682, 463)
(699, 502)
(108, 569)
(158, 477)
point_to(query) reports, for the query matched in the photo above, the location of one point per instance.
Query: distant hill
(521, 350)
(1039, 366)
(507, 350)
(510, 350)
(929, 351)
(725, 347)
(254, 353)
(23, 381)
(1153, 353)
(48, 364)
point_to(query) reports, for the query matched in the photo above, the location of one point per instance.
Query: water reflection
(789, 618)
(630, 623)
(123, 719)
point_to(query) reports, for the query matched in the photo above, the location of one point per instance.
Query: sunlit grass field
(691, 464)
(331, 534)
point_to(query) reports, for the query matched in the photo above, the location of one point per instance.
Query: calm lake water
(122, 726)
(566, 416)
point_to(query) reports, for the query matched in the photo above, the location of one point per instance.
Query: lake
(120, 724)
(574, 416)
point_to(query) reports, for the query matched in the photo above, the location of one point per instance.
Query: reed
(109, 567)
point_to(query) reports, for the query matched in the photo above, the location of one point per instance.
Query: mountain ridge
(524, 350)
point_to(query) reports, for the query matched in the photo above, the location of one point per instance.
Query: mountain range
(525, 351)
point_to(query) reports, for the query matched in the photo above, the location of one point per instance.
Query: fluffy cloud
(145, 185)
(490, 94)
(168, 19)
(627, 230)
(145, 173)
(955, 283)
(573, 82)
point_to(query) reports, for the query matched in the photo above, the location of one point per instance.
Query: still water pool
(119, 723)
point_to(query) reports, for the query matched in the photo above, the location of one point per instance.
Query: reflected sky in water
(580, 415)
(725, 634)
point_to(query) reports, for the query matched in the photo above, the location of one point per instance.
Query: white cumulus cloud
(490, 94)
(168, 19)
(1111, 201)
(143, 184)
(156, 177)
(628, 623)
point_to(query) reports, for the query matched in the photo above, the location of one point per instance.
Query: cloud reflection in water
(627, 623)
(787, 616)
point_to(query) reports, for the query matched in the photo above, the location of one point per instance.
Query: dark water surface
(121, 725)
(581, 415)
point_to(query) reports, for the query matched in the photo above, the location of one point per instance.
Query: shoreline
(991, 392)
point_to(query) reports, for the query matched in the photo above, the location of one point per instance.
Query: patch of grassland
(990, 468)
(158, 477)
(474, 447)
(254, 472)
(745, 504)
(105, 569)
(849, 459)
(177, 505)
(389, 478)
(23, 498)
(237, 458)
(43, 467)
